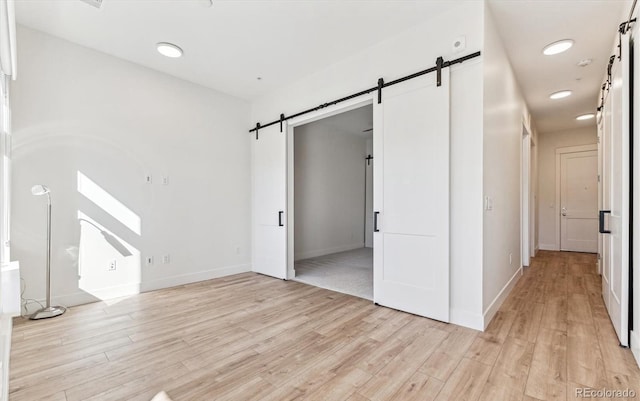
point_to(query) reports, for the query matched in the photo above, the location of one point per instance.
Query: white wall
(329, 193)
(78, 111)
(504, 114)
(548, 142)
(411, 51)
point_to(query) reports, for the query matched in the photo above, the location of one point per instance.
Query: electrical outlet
(149, 260)
(113, 265)
(165, 180)
(511, 259)
(166, 259)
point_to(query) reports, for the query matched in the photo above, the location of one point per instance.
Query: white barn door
(615, 224)
(269, 179)
(411, 197)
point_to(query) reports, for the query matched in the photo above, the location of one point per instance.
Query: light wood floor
(249, 337)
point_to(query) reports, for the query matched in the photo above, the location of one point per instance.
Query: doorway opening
(525, 197)
(333, 202)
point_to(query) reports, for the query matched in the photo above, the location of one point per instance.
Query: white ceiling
(526, 27)
(227, 46)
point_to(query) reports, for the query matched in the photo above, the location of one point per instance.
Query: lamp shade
(38, 190)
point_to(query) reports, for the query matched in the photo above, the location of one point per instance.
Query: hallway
(560, 331)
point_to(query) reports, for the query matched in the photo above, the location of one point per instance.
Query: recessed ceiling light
(557, 47)
(585, 117)
(169, 49)
(560, 95)
(585, 62)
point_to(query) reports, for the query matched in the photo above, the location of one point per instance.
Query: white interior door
(411, 197)
(579, 201)
(615, 170)
(269, 178)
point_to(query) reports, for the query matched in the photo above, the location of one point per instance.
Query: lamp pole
(48, 311)
(48, 250)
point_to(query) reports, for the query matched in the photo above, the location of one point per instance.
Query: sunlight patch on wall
(109, 203)
(108, 266)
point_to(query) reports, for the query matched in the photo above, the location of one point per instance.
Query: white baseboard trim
(466, 319)
(111, 293)
(497, 302)
(635, 345)
(548, 247)
(194, 277)
(327, 251)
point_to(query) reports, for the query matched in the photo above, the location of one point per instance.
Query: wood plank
(419, 387)
(485, 350)
(511, 369)
(548, 373)
(466, 382)
(555, 313)
(584, 360)
(526, 325)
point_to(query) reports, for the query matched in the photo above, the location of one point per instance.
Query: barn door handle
(280, 223)
(375, 221)
(601, 222)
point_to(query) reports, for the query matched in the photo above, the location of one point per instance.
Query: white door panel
(615, 197)
(269, 202)
(579, 201)
(411, 195)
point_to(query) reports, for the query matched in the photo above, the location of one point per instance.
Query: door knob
(564, 211)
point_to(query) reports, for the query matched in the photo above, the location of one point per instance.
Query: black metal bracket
(280, 224)
(623, 29)
(625, 26)
(439, 64)
(257, 129)
(368, 159)
(612, 59)
(380, 86)
(602, 97)
(281, 121)
(620, 45)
